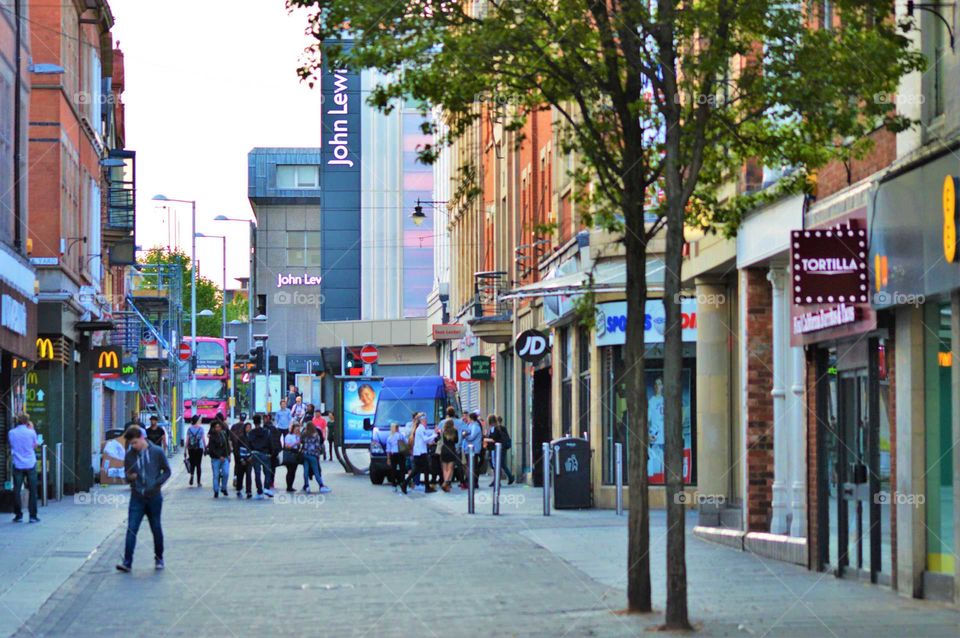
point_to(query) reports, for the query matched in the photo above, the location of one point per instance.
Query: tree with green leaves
(209, 295)
(663, 102)
(238, 307)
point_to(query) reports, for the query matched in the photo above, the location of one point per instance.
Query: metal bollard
(498, 451)
(60, 471)
(545, 462)
(43, 474)
(471, 507)
(618, 448)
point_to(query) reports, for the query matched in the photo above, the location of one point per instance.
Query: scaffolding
(149, 330)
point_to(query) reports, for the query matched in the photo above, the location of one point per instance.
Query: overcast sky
(206, 81)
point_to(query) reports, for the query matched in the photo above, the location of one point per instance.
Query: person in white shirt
(423, 436)
(23, 448)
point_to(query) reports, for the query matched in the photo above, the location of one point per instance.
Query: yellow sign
(44, 349)
(108, 361)
(949, 218)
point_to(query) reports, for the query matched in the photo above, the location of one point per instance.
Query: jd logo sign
(107, 361)
(531, 345)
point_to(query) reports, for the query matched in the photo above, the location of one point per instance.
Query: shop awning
(605, 276)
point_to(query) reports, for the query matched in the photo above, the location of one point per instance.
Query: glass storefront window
(614, 410)
(938, 470)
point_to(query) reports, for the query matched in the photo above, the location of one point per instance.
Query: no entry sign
(369, 354)
(184, 351)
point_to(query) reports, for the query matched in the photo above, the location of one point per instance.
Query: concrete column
(798, 446)
(713, 397)
(911, 520)
(779, 523)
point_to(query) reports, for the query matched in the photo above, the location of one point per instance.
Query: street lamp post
(252, 227)
(223, 303)
(193, 294)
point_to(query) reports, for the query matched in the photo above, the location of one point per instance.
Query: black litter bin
(571, 474)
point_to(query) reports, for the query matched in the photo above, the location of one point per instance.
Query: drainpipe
(781, 501)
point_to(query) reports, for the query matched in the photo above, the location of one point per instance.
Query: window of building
(583, 402)
(293, 176)
(567, 374)
(303, 249)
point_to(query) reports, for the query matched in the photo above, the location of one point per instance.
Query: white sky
(207, 81)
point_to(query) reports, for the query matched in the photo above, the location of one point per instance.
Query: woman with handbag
(292, 455)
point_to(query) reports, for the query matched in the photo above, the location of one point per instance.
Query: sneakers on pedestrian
(191, 481)
(306, 490)
(291, 490)
(249, 495)
(325, 490)
(225, 493)
(268, 493)
(18, 519)
(259, 497)
(510, 482)
(158, 564)
(216, 495)
(34, 519)
(124, 567)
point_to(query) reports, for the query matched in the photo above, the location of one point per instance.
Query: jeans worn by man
(221, 469)
(262, 463)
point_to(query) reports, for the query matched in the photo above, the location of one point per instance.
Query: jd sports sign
(531, 345)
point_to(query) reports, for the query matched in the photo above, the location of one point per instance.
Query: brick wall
(834, 176)
(759, 383)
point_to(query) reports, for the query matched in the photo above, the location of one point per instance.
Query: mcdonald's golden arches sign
(107, 361)
(45, 349)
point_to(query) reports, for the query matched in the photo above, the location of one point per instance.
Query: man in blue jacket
(147, 469)
(471, 435)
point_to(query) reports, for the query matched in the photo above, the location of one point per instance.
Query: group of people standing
(294, 436)
(440, 455)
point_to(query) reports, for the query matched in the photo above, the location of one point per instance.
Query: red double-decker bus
(213, 371)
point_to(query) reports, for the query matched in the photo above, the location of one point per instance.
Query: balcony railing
(488, 287)
(121, 209)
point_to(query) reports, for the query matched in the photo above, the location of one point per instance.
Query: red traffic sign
(184, 351)
(369, 354)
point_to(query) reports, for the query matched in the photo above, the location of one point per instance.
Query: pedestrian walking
(134, 420)
(195, 448)
(321, 424)
(312, 444)
(331, 434)
(282, 418)
(292, 456)
(245, 461)
(156, 434)
(23, 448)
(396, 454)
(471, 438)
(218, 448)
(146, 469)
(423, 436)
(298, 409)
(499, 434)
(292, 394)
(260, 456)
(449, 453)
(276, 446)
(237, 432)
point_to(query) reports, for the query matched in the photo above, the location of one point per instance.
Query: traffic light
(257, 356)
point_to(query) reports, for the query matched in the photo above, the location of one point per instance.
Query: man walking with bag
(146, 469)
(23, 447)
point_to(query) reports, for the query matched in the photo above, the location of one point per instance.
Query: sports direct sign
(612, 322)
(829, 266)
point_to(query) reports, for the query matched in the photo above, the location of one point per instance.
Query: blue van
(399, 398)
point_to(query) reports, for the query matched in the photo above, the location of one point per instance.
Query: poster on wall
(655, 468)
(359, 402)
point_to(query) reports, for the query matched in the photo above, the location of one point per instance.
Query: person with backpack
(196, 445)
(397, 448)
(218, 448)
(312, 443)
(499, 434)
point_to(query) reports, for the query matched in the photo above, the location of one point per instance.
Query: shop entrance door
(856, 474)
(542, 412)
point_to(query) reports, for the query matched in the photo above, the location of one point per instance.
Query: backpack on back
(193, 440)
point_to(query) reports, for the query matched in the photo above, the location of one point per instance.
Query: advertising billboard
(654, 383)
(359, 401)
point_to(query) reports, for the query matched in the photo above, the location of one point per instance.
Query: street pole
(193, 308)
(231, 379)
(545, 465)
(223, 300)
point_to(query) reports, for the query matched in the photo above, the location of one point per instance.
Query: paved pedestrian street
(364, 561)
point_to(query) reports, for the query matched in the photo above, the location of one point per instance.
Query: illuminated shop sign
(290, 279)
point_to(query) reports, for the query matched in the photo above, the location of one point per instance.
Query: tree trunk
(638, 550)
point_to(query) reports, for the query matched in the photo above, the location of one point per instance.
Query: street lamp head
(418, 215)
(160, 198)
(205, 313)
(221, 218)
(235, 322)
(260, 318)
